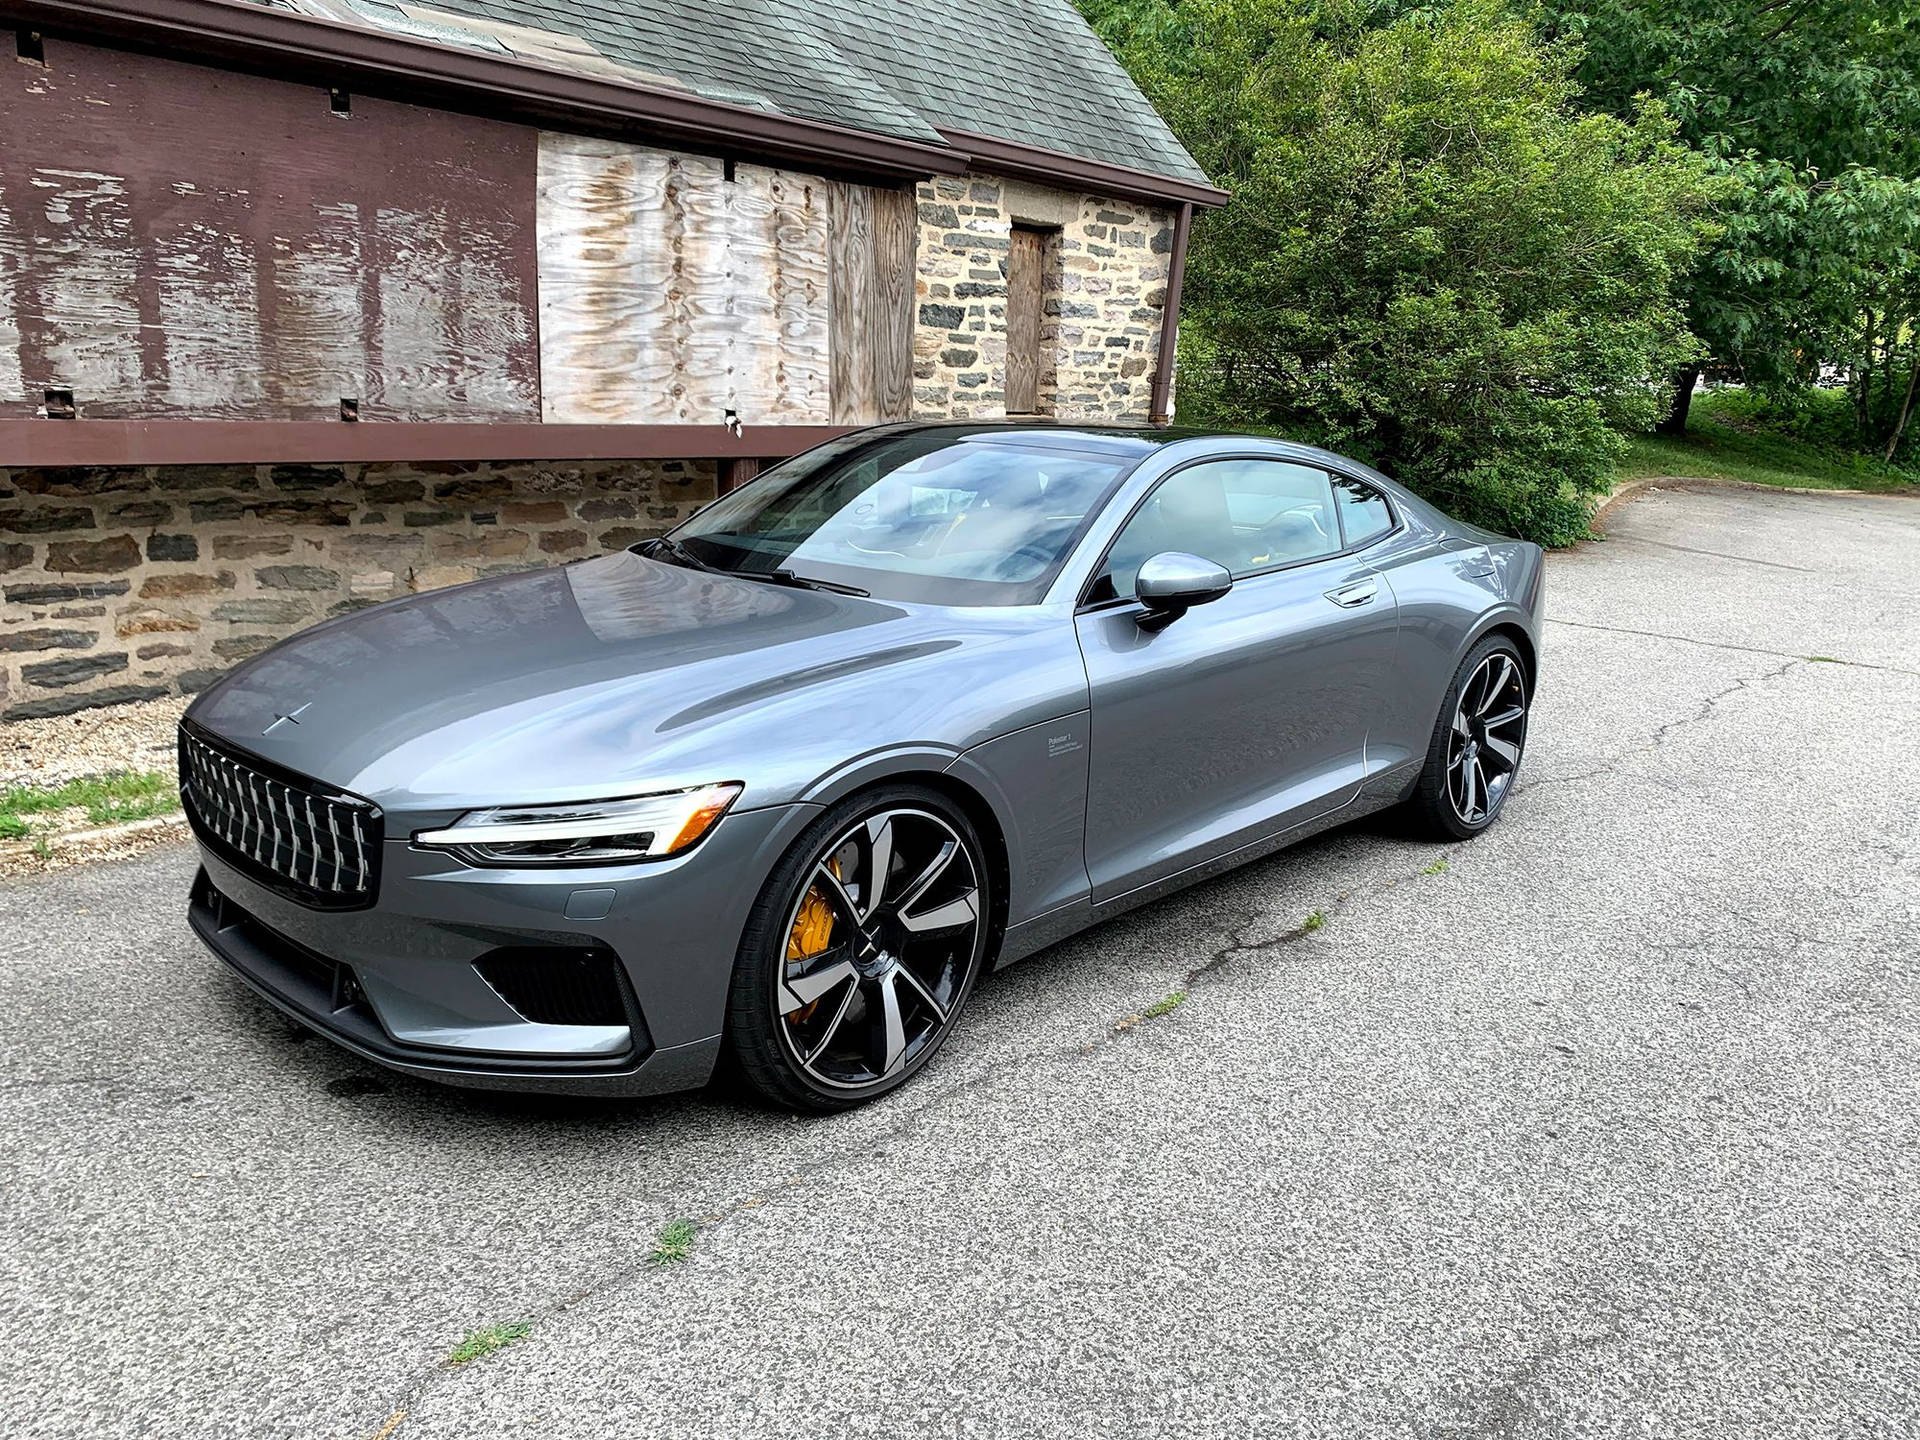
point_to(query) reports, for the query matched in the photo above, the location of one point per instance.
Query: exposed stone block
(297, 577)
(240, 647)
(393, 492)
(12, 556)
(32, 640)
(74, 670)
(79, 479)
(162, 587)
(69, 701)
(162, 650)
(150, 620)
(307, 477)
(51, 594)
(561, 542)
(141, 512)
(45, 519)
(173, 547)
(94, 557)
(606, 509)
(263, 610)
(246, 547)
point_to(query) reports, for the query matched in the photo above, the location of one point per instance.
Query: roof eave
(301, 47)
(1056, 167)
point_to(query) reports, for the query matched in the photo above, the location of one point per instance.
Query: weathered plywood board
(872, 251)
(670, 294)
(180, 241)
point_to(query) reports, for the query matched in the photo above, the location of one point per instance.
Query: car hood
(595, 678)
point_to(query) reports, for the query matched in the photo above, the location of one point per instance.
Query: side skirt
(1378, 793)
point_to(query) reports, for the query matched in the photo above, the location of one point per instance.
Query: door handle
(1358, 593)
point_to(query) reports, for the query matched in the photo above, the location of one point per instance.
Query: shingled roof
(1027, 71)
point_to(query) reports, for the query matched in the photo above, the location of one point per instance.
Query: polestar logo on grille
(292, 717)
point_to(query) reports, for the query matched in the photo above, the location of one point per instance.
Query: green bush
(1433, 260)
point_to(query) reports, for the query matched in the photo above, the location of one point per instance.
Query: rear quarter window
(1364, 512)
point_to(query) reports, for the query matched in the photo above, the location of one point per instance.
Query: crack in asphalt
(1727, 645)
(1662, 733)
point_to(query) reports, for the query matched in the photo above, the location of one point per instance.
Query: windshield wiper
(685, 556)
(802, 582)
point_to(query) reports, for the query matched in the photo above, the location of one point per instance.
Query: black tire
(876, 1003)
(1435, 809)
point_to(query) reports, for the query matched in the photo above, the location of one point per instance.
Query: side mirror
(1172, 582)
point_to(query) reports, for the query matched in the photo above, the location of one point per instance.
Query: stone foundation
(130, 584)
(1106, 264)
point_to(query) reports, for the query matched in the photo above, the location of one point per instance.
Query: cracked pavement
(1608, 1128)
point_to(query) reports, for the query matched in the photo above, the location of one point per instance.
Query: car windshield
(967, 519)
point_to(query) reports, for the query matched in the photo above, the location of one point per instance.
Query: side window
(1364, 513)
(1244, 514)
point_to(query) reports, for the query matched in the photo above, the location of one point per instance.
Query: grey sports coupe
(780, 785)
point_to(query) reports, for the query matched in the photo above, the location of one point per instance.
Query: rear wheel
(1474, 756)
(860, 950)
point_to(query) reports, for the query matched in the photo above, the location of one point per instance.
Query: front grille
(293, 835)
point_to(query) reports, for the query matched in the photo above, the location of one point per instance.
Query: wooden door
(1025, 292)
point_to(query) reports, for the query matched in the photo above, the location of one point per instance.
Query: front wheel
(860, 950)
(1477, 743)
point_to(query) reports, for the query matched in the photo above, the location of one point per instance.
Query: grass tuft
(674, 1244)
(487, 1339)
(1438, 867)
(1164, 1007)
(110, 798)
(1314, 921)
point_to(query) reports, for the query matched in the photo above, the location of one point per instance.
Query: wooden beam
(272, 442)
(1170, 318)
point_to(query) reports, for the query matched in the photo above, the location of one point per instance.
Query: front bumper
(402, 983)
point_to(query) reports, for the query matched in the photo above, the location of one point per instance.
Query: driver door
(1244, 716)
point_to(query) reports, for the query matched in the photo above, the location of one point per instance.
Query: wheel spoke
(1506, 750)
(797, 994)
(879, 861)
(912, 979)
(1460, 727)
(960, 910)
(924, 880)
(1505, 718)
(1480, 775)
(1469, 791)
(1496, 682)
(893, 1033)
(836, 892)
(833, 1025)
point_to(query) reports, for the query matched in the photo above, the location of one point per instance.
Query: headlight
(592, 832)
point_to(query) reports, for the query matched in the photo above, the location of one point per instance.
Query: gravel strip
(115, 737)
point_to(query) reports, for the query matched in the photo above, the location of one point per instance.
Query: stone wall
(1106, 263)
(130, 584)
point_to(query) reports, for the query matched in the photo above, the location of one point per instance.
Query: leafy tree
(1433, 259)
(1810, 110)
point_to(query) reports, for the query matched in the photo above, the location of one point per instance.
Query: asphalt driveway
(1607, 1123)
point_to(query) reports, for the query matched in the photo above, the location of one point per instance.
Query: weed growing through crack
(1438, 867)
(486, 1340)
(1164, 1007)
(1314, 921)
(675, 1243)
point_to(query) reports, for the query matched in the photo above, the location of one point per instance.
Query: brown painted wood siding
(176, 240)
(1026, 290)
(670, 294)
(873, 238)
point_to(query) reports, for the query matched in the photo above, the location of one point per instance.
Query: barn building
(310, 303)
